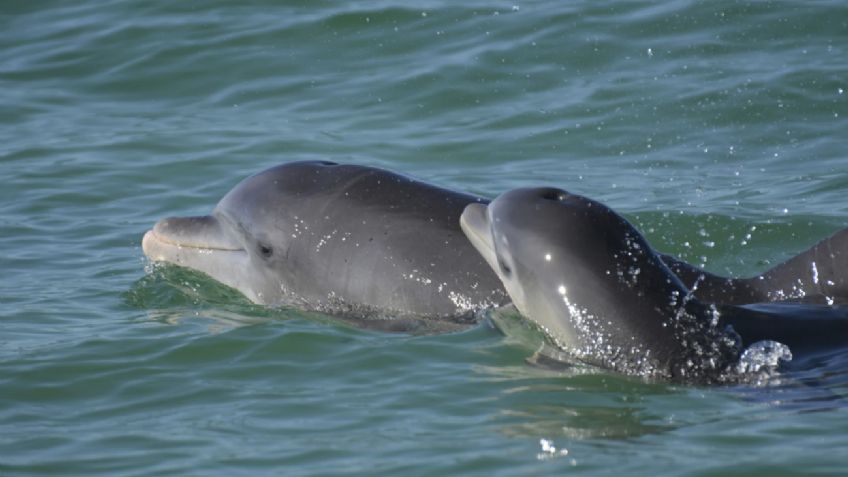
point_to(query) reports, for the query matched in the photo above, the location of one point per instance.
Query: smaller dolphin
(591, 281)
(594, 285)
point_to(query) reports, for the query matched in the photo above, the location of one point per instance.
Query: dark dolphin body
(593, 284)
(596, 288)
(802, 302)
(343, 239)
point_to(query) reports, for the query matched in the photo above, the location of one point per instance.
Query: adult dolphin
(595, 286)
(346, 239)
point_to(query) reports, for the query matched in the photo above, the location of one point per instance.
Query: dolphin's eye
(505, 270)
(265, 250)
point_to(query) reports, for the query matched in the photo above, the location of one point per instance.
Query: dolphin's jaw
(152, 239)
(196, 248)
(175, 238)
(161, 248)
(474, 222)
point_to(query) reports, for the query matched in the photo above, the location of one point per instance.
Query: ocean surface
(719, 128)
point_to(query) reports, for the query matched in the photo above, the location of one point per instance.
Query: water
(717, 127)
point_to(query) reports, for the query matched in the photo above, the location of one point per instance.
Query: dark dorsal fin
(816, 275)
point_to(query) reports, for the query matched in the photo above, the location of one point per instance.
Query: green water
(717, 127)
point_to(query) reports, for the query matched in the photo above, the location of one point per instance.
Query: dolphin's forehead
(255, 191)
(255, 211)
(554, 235)
(556, 216)
(527, 218)
(544, 205)
(272, 195)
(299, 185)
(282, 204)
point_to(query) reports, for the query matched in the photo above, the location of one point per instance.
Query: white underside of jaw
(475, 224)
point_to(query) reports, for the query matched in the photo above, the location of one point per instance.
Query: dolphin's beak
(474, 222)
(203, 233)
(200, 243)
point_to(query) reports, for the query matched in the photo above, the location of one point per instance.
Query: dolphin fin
(817, 275)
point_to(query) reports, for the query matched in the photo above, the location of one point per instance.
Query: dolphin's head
(588, 278)
(553, 251)
(245, 240)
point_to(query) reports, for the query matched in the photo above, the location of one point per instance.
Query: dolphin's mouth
(173, 235)
(199, 243)
(474, 222)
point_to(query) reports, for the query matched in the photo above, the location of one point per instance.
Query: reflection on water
(543, 411)
(552, 397)
(816, 383)
(172, 294)
(166, 285)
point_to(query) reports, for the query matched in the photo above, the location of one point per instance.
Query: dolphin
(343, 239)
(598, 290)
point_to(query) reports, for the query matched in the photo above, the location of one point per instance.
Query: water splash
(550, 451)
(763, 356)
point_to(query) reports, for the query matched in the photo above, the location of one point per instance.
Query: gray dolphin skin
(592, 283)
(345, 239)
